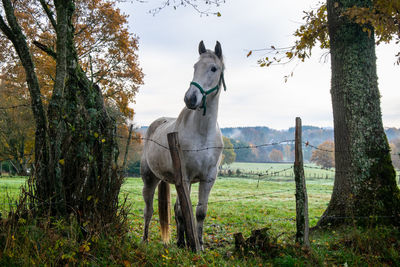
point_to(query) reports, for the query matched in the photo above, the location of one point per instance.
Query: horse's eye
(213, 69)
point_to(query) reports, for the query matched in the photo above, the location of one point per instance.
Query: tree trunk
(14, 33)
(76, 151)
(365, 183)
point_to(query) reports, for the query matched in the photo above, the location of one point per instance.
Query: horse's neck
(198, 125)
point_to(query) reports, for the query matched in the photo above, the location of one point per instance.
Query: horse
(200, 139)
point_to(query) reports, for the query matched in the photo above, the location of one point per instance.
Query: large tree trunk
(76, 151)
(14, 33)
(365, 183)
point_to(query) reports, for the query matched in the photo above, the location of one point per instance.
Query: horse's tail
(164, 210)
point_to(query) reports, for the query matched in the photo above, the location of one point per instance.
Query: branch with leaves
(203, 7)
(384, 18)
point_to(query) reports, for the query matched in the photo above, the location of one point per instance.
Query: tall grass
(235, 205)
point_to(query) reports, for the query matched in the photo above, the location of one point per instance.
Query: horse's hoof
(180, 244)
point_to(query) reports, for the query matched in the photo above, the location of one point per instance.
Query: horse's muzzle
(191, 102)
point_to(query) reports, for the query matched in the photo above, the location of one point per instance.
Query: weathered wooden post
(128, 142)
(182, 189)
(301, 190)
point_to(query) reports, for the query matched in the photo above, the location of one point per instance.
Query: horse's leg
(201, 209)
(180, 227)
(150, 183)
(180, 223)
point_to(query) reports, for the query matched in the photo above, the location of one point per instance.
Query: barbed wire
(289, 141)
(212, 147)
(307, 144)
(240, 147)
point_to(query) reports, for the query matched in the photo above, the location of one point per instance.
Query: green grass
(239, 205)
(242, 205)
(9, 190)
(311, 171)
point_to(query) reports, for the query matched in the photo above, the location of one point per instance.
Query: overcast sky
(255, 96)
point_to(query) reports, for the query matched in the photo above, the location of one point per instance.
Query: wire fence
(269, 174)
(266, 175)
(157, 142)
(250, 146)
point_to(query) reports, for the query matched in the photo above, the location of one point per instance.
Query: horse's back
(156, 124)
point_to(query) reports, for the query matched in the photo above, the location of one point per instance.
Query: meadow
(236, 205)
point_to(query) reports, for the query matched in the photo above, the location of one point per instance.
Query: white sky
(255, 96)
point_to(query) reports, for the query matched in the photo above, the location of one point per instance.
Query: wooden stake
(128, 142)
(301, 190)
(182, 189)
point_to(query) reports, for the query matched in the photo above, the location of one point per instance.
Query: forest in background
(259, 135)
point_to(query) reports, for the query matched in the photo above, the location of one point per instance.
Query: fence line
(212, 147)
(307, 144)
(261, 176)
(290, 141)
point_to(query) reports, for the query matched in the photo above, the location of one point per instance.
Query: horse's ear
(202, 48)
(218, 50)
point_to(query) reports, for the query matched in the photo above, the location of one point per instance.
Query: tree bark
(75, 148)
(365, 183)
(14, 33)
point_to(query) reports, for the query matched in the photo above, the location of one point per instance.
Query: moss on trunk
(365, 179)
(75, 147)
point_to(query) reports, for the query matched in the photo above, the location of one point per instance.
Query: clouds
(255, 96)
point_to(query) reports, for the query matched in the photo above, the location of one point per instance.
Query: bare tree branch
(49, 13)
(192, 3)
(45, 49)
(5, 29)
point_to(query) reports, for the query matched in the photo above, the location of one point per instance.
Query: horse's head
(207, 78)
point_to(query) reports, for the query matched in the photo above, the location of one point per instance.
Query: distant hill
(260, 135)
(264, 135)
(315, 135)
(243, 136)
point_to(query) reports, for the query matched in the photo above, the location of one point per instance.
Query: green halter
(205, 93)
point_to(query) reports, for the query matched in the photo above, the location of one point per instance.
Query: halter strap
(205, 93)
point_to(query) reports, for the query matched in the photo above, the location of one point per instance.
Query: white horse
(197, 128)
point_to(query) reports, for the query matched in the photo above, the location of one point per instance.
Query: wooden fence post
(182, 189)
(128, 142)
(301, 190)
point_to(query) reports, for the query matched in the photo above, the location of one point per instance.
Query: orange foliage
(105, 47)
(16, 130)
(134, 149)
(275, 155)
(324, 156)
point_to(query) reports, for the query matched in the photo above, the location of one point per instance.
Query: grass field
(235, 205)
(262, 202)
(284, 170)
